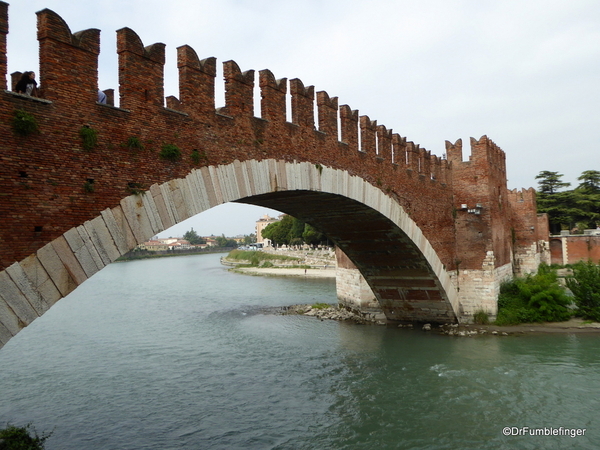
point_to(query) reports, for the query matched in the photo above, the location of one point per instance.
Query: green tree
(193, 238)
(312, 236)
(550, 182)
(585, 286)
(579, 207)
(21, 438)
(590, 181)
(249, 239)
(222, 241)
(279, 232)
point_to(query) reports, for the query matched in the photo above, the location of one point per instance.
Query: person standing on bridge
(27, 84)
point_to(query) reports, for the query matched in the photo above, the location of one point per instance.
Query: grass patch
(320, 306)
(481, 318)
(257, 258)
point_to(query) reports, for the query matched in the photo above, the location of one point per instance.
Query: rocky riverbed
(333, 312)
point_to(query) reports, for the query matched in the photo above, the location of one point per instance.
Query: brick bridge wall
(49, 183)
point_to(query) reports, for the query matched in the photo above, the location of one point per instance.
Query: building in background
(261, 224)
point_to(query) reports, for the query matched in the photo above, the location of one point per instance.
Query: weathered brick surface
(42, 176)
(574, 248)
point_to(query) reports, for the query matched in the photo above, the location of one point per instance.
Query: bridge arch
(400, 265)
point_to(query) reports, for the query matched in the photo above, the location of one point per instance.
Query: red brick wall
(42, 176)
(481, 181)
(578, 248)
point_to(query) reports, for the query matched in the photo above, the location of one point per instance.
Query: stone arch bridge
(431, 237)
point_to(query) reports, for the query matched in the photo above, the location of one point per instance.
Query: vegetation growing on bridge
(170, 152)
(24, 123)
(198, 156)
(89, 137)
(134, 143)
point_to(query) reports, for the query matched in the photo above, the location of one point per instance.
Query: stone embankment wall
(352, 289)
(319, 257)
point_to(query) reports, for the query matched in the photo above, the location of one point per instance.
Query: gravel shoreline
(286, 272)
(574, 325)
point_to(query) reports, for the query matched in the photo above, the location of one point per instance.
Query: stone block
(118, 229)
(57, 271)
(82, 252)
(14, 298)
(35, 299)
(40, 280)
(102, 240)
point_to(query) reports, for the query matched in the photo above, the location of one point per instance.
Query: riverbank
(286, 272)
(574, 325)
(332, 312)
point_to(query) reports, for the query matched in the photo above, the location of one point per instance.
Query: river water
(176, 353)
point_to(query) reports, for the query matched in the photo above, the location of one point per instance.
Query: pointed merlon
(273, 96)
(302, 104)
(327, 113)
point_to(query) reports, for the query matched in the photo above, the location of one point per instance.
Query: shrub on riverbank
(21, 438)
(585, 285)
(257, 258)
(534, 298)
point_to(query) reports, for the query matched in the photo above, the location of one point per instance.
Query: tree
(222, 241)
(21, 438)
(585, 286)
(193, 238)
(312, 236)
(550, 182)
(249, 239)
(590, 181)
(579, 207)
(279, 232)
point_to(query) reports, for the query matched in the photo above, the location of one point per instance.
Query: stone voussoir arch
(34, 284)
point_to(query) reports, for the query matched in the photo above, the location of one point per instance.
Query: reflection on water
(177, 353)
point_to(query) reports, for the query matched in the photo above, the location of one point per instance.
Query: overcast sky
(524, 72)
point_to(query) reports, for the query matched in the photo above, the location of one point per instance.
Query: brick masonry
(393, 207)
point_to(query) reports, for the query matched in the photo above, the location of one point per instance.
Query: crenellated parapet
(368, 135)
(196, 82)
(141, 72)
(384, 143)
(273, 96)
(454, 152)
(485, 151)
(69, 67)
(328, 114)
(88, 170)
(239, 91)
(349, 125)
(303, 112)
(132, 132)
